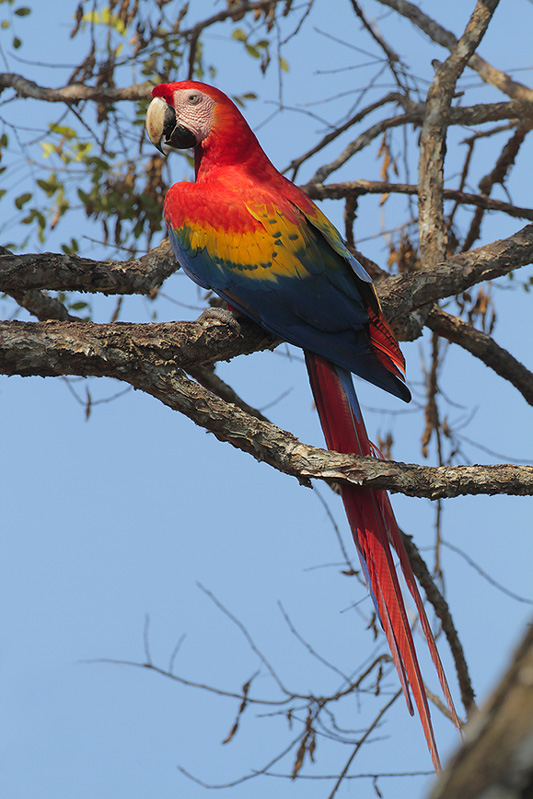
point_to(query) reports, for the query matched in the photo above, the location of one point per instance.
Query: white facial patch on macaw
(194, 110)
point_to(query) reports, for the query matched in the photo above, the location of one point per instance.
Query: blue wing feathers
(319, 304)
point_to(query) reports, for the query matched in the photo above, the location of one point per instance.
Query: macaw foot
(220, 316)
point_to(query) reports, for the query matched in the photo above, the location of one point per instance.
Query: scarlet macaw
(249, 234)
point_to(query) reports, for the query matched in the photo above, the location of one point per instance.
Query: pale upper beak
(163, 128)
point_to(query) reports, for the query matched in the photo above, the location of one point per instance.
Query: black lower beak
(180, 138)
(175, 135)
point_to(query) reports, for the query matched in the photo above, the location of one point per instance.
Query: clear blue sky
(123, 516)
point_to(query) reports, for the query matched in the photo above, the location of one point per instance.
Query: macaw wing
(382, 338)
(286, 269)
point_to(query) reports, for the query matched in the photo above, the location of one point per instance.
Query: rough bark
(151, 357)
(496, 759)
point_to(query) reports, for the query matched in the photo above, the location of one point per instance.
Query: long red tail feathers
(373, 526)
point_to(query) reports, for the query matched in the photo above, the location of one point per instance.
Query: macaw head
(180, 115)
(191, 114)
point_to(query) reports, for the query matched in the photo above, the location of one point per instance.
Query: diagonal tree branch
(40, 304)
(391, 97)
(496, 758)
(415, 114)
(447, 39)
(442, 610)
(363, 140)
(404, 293)
(151, 360)
(483, 347)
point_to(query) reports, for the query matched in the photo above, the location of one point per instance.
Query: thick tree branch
(149, 358)
(399, 295)
(405, 293)
(59, 272)
(431, 224)
(490, 112)
(74, 93)
(120, 349)
(496, 759)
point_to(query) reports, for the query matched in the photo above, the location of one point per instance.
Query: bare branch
(234, 11)
(40, 304)
(404, 293)
(363, 140)
(497, 758)
(469, 115)
(447, 39)
(148, 357)
(391, 55)
(208, 378)
(334, 191)
(442, 610)
(392, 97)
(431, 225)
(359, 743)
(60, 272)
(73, 93)
(483, 347)
(497, 174)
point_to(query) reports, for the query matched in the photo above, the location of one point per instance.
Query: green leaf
(48, 186)
(63, 130)
(113, 21)
(16, 42)
(5, 24)
(283, 64)
(23, 11)
(48, 148)
(22, 199)
(240, 35)
(92, 16)
(83, 148)
(2, 192)
(253, 51)
(78, 306)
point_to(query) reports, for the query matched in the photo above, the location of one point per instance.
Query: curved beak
(163, 129)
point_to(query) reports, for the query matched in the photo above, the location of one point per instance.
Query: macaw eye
(194, 99)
